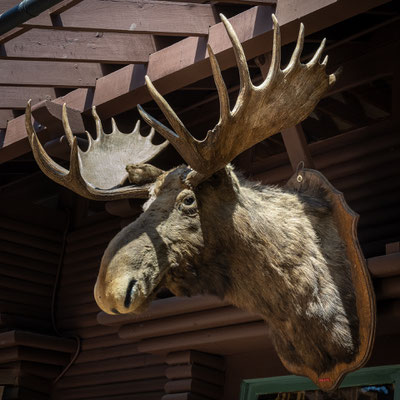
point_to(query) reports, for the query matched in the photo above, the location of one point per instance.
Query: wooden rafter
(5, 116)
(16, 97)
(55, 74)
(71, 46)
(155, 17)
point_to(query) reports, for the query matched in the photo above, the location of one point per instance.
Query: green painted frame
(252, 388)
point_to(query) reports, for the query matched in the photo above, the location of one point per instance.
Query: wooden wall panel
(29, 255)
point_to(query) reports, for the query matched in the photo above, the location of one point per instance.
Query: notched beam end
(49, 114)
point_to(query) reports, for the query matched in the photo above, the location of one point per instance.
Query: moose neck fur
(268, 250)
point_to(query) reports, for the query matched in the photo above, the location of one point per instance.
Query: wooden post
(296, 147)
(194, 375)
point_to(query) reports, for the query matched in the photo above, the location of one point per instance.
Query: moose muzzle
(130, 273)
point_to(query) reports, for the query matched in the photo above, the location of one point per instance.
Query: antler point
(137, 126)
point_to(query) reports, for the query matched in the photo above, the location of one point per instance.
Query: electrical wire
(54, 301)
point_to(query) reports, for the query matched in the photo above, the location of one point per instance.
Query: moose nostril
(128, 297)
(115, 311)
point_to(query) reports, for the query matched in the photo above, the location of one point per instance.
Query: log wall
(31, 354)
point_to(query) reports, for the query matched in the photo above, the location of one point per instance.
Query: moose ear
(140, 174)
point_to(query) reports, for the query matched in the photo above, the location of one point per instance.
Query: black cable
(54, 299)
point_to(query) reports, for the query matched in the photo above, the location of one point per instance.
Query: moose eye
(188, 201)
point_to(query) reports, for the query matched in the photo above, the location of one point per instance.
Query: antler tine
(46, 164)
(137, 126)
(276, 53)
(90, 140)
(97, 120)
(182, 140)
(67, 128)
(180, 129)
(244, 76)
(114, 127)
(223, 96)
(318, 53)
(295, 59)
(151, 134)
(161, 128)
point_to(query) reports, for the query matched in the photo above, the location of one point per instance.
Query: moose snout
(119, 298)
(127, 272)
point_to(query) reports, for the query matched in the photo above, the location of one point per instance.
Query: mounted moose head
(206, 230)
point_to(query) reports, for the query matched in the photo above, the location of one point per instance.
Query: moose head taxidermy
(289, 254)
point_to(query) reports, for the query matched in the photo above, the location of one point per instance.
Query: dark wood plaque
(346, 221)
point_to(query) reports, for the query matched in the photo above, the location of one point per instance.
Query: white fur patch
(152, 197)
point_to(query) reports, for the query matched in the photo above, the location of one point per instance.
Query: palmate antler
(285, 98)
(98, 172)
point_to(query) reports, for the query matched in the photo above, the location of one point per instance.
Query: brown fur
(267, 250)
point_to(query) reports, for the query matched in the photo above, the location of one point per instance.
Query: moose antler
(98, 172)
(285, 98)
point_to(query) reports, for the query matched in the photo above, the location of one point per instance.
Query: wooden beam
(155, 17)
(5, 116)
(11, 34)
(16, 97)
(48, 113)
(15, 141)
(99, 47)
(79, 99)
(55, 74)
(296, 147)
(64, 5)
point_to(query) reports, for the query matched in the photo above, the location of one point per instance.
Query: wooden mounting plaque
(346, 222)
